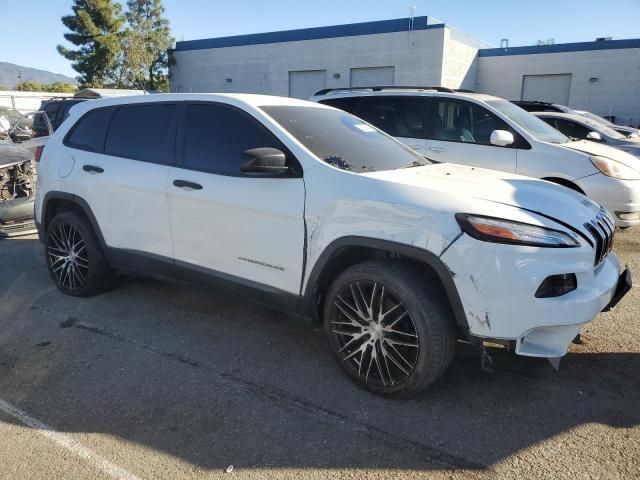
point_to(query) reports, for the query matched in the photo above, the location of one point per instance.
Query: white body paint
(265, 219)
(569, 161)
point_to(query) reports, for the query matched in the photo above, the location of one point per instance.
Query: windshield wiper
(415, 163)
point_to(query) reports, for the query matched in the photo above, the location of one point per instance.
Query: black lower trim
(155, 266)
(78, 202)
(622, 288)
(309, 301)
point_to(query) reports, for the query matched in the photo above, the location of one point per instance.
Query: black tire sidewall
(430, 315)
(99, 274)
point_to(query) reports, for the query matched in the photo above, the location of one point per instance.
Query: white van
(485, 131)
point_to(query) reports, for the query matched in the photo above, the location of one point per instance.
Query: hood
(11, 154)
(593, 148)
(499, 188)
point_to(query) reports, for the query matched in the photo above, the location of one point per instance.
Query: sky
(29, 33)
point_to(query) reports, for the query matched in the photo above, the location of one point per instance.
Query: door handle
(92, 169)
(436, 149)
(187, 185)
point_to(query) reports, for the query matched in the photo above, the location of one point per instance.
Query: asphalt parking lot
(154, 380)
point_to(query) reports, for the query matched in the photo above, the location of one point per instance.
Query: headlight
(614, 169)
(490, 229)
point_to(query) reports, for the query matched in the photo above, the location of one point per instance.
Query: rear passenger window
(141, 132)
(397, 116)
(215, 137)
(88, 133)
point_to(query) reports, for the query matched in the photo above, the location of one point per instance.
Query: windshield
(342, 140)
(603, 129)
(597, 118)
(529, 123)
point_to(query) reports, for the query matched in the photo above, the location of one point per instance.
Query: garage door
(372, 76)
(304, 84)
(547, 88)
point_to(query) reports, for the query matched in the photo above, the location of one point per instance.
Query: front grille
(602, 229)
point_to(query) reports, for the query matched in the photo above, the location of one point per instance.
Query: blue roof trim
(560, 48)
(334, 31)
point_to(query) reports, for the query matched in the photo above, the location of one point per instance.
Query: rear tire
(75, 260)
(389, 328)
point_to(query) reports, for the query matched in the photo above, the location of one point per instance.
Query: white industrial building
(601, 76)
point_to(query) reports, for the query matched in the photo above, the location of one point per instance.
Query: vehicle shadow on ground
(214, 381)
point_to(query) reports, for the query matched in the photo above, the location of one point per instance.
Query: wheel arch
(55, 202)
(347, 251)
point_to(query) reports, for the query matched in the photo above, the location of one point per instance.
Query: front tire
(75, 260)
(389, 328)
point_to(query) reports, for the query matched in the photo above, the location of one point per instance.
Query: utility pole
(19, 80)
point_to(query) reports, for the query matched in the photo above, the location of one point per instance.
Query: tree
(147, 43)
(33, 86)
(95, 27)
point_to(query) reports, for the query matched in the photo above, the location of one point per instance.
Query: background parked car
(578, 126)
(17, 189)
(485, 131)
(56, 110)
(24, 132)
(538, 106)
(626, 131)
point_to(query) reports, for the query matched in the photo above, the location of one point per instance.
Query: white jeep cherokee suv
(479, 130)
(310, 209)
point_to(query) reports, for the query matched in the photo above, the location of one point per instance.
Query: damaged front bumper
(497, 291)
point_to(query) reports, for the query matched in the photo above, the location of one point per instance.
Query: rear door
(123, 174)
(404, 118)
(459, 132)
(227, 223)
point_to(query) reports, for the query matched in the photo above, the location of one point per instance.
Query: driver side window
(465, 122)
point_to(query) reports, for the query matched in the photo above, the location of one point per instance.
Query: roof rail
(390, 87)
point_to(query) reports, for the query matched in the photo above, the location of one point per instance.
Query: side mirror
(501, 138)
(595, 136)
(264, 161)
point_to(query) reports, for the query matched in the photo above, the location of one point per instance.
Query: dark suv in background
(57, 110)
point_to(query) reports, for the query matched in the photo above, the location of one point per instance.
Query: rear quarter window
(88, 133)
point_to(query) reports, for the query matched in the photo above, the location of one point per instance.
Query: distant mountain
(9, 75)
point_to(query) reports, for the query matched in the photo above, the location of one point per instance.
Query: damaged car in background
(17, 189)
(21, 145)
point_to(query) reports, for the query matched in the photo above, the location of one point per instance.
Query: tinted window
(89, 132)
(141, 132)
(215, 137)
(51, 109)
(397, 116)
(348, 104)
(570, 129)
(342, 140)
(466, 122)
(40, 125)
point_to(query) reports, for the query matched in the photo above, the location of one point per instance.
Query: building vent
(604, 39)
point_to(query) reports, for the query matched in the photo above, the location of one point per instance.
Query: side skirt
(143, 264)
